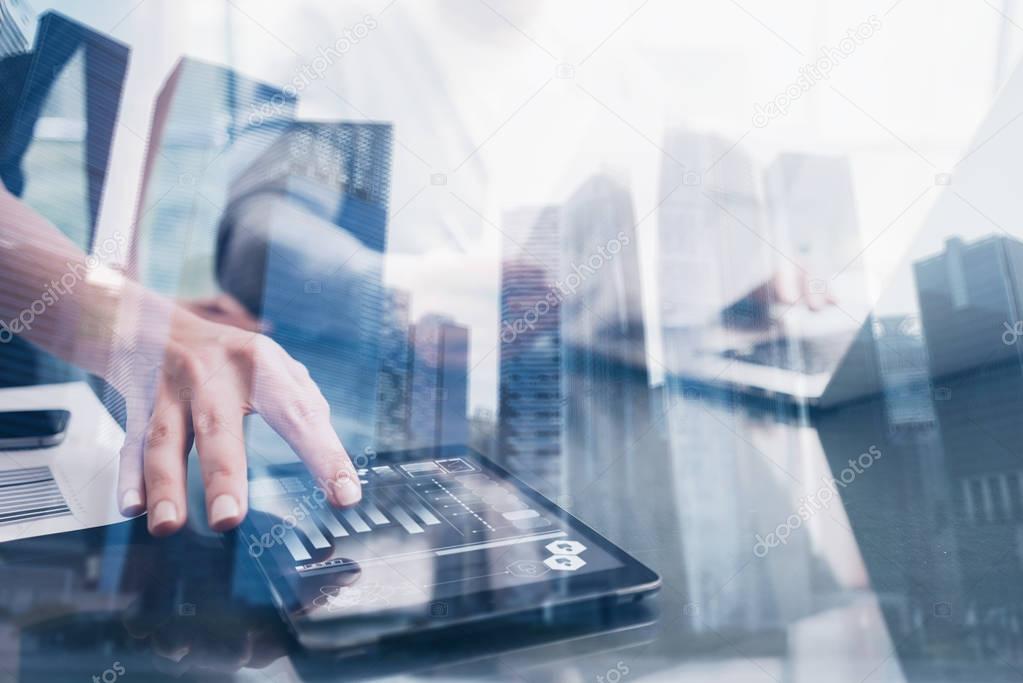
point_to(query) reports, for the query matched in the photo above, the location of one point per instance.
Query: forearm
(66, 302)
(183, 378)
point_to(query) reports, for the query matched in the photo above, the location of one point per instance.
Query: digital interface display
(424, 531)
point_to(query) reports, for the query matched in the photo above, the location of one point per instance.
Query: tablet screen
(427, 529)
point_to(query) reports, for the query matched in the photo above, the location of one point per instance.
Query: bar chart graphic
(443, 504)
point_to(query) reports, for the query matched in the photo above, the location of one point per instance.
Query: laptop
(952, 308)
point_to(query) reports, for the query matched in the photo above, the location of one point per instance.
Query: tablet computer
(442, 537)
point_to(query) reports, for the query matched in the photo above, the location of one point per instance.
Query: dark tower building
(603, 365)
(393, 382)
(308, 217)
(529, 431)
(440, 383)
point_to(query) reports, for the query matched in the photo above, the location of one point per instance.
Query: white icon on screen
(563, 547)
(565, 563)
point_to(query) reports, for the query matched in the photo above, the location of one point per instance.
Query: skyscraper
(970, 298)
(483, 432)
(16, 27)
(302, 243)
(59, 107)
(59, 138)
(440, 383)
(968, 294)
(395, 372)
(710, 254)
(903, 372)
(604, 375)
(529, 429)
(201, 128)
(712, 233)
(610, 447)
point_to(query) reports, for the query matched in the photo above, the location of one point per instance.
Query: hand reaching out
(211, 376)
(184, 379)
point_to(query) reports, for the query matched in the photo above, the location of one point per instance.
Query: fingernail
(224, 507)
(131, 501)
(165, 512)
(348, 490)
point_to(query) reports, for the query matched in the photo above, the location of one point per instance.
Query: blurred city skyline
(446, 247)
(561, 315)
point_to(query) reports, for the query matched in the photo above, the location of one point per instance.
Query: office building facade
(438, 412)
(312, 209)
(604, 377)
(711, 248)
(968, 294)
(710, 256)
(393, 382)
(529, 394)
(188, 171)
(59, 107)
(17, 23)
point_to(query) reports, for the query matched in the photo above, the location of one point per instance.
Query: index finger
(299, 413)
